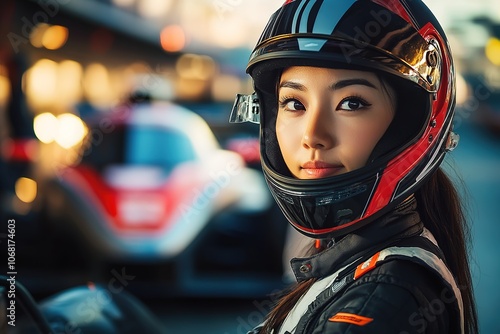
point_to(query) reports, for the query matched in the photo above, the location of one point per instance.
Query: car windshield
(139, 146)
(157, 146)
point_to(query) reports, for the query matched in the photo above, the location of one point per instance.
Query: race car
(155, 198)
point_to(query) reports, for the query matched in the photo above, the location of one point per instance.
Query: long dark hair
(443, 213)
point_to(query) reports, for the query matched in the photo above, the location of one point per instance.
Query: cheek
(283, 137)
(288, 139)
(359, 142)
(360, 147)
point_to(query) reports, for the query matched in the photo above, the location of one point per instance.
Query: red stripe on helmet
(395, 7)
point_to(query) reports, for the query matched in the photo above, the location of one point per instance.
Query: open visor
(245, 109)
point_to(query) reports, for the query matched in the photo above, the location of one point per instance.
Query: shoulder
(396, 297)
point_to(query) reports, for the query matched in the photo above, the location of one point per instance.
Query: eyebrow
(292, 85)
(335, 86)
(351, 82)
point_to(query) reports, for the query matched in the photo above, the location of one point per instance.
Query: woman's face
(330, 120)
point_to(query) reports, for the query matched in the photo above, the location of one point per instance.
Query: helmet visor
(348, 32)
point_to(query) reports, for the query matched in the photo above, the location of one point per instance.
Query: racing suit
(388, 277)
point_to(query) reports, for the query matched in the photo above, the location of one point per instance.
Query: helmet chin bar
(245, 109)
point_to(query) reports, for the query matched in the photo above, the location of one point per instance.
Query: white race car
(156, 198)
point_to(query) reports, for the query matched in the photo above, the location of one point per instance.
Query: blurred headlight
(26, 189)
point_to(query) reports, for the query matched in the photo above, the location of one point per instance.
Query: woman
(355, 101)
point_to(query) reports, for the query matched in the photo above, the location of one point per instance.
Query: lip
(320, 169)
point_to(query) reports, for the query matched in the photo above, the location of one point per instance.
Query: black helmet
(400, 40)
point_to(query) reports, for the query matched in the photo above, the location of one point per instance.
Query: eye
(353, 103)
(291, 104)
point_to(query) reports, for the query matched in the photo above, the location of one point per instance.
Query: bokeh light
(26, 189)
(52, 37)
(172, 38)
(36, 35)
(225, 87)
(45, 126)
(154, 8)
(71, 130)
(67, 130)
(493, 51)
(55, 37)
(97, 85)
(194, 66)
(41, 82)
(70, 74)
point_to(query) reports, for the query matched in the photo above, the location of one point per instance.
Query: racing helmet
(402, 42)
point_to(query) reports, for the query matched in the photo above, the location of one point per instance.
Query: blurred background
(93, 91)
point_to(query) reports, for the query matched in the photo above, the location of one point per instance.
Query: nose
(318, 131)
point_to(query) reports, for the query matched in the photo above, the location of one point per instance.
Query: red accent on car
(248, 148)
(170, 196)
(19, 150)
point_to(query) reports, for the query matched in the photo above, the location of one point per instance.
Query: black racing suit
(357, 292)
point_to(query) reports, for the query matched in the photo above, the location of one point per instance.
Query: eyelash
(359, 99)
(285, 100)
(364, 104)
